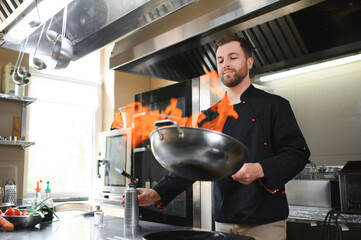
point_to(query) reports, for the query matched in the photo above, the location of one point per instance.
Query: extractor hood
(91, 24)
(284, 34)
(173, 39)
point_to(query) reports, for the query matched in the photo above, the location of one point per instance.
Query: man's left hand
(248, 173)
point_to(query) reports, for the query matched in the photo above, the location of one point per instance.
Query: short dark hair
(245, 45)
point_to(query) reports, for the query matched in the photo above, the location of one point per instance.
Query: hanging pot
(63, 49)
(196, 153)
(62, 52)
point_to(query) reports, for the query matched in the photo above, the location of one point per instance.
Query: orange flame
(224, 109)
(118, 121)
(143, 118)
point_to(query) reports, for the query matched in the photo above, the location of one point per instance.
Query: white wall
(327, 105)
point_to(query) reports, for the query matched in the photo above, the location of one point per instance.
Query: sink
(72, 206)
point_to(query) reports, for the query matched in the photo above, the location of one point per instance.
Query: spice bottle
(49, 203)
(37, 200)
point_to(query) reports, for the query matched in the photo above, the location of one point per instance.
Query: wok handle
(167, 122)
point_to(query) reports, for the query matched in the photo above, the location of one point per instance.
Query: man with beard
(252, 201)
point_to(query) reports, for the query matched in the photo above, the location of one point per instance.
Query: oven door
(147, 169)
(150, 172)
(114, 152)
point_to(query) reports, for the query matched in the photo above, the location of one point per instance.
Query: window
(63, 124)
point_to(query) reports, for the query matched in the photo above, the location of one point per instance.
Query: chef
(252, 201)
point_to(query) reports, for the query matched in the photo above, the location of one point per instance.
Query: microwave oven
(114, 152)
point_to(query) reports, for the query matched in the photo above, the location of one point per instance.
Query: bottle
(131, 209)
(49, 203)
(37, 200)
(147, 183)
(155, 182)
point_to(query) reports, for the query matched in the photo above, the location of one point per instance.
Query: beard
(238, 77)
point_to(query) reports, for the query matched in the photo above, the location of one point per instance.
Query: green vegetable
(39, 207)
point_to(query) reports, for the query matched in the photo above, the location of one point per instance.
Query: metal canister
(131, 209)
(10, 192)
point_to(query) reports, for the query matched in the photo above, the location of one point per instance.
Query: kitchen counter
(305, 222)
(73, 225)
(318, 214)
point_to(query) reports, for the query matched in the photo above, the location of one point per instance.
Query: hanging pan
(63, 48)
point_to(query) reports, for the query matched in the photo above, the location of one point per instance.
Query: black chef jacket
(267, 126)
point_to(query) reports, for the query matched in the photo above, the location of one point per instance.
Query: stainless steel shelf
(24, 101)
(22, 144)
(13, 98)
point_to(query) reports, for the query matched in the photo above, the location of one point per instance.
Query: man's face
(232, 64)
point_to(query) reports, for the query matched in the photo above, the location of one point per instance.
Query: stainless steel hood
(285, 34)
(173, 39)
(91, 24)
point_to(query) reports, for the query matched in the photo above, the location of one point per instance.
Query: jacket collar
(247, 92)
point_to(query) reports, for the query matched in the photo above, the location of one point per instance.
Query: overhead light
(24, 20)
(309, 68)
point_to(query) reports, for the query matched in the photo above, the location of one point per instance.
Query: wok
(196, 153)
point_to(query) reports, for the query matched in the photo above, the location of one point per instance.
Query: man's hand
(146, 197)
(248, 173)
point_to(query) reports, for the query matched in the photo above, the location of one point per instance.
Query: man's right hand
(147, 196)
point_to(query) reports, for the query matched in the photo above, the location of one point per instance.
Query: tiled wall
(327, 105)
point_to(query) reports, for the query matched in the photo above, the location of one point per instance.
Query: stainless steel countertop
(73, 225)
(318, 214)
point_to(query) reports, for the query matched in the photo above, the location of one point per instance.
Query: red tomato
(25, 213)
(1, 212)
(12, 212)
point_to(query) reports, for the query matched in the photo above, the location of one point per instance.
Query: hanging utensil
(37, 22)
(50, 34)
(38, 63)
(20, 76)
(63, 48)
(23, 72)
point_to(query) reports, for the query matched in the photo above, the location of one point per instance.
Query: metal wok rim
(202, 129)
